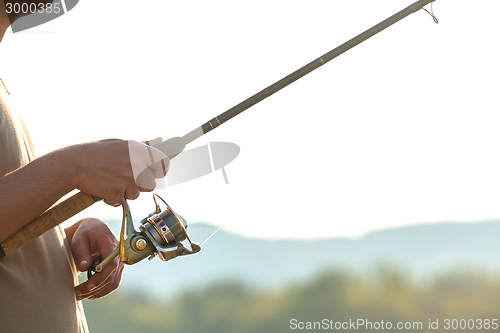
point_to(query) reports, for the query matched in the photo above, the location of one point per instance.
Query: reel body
(161, 233)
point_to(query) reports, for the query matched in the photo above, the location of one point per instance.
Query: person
(39, 290)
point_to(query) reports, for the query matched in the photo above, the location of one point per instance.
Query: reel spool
(161, 233)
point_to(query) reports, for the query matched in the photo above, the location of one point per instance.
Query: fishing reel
(161, 233)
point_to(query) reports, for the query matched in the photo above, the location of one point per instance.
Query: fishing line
(206, 240)
(431, 13)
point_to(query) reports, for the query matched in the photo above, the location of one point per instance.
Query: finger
(94, 285)
(92, 290)
(82, 253)
(113, 202)
(98, 281)
(133, 196)
(158, 162)
(104, 243)
(146, 181)
(160, 168)
(144, 157)
(132, 192)
(116, 192)
(108, 287)
(154, 142)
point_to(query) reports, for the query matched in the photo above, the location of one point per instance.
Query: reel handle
(48, 220)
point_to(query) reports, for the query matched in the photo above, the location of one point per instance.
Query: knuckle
(116, 187)
(132, 195)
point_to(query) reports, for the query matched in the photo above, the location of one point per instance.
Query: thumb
(144, 157)
(153, 142)
(80, 249)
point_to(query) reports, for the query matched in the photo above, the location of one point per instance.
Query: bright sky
(402, 129)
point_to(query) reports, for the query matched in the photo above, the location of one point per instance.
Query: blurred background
(412, 275)
(367, 189)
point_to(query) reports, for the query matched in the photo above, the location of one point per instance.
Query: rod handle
(48, 220)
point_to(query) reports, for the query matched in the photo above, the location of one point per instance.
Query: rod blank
(251, 101)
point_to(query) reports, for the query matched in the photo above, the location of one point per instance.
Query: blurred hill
(423, 251)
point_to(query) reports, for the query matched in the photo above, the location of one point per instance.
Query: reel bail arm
(161, 233)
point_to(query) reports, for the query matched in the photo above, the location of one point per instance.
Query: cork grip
(48, 220)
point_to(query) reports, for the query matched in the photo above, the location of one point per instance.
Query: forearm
(101, 168)
(28, 191)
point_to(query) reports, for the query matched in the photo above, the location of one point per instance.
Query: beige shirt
(36, 281)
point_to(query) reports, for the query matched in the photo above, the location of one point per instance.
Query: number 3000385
(30, 8)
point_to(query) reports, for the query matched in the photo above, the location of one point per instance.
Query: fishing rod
(163, 233)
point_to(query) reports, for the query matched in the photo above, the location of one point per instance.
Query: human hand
(146, 170)
(88, 238)
(115, 169)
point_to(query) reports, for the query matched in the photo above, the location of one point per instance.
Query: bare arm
(101, 168)
(28, 191)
